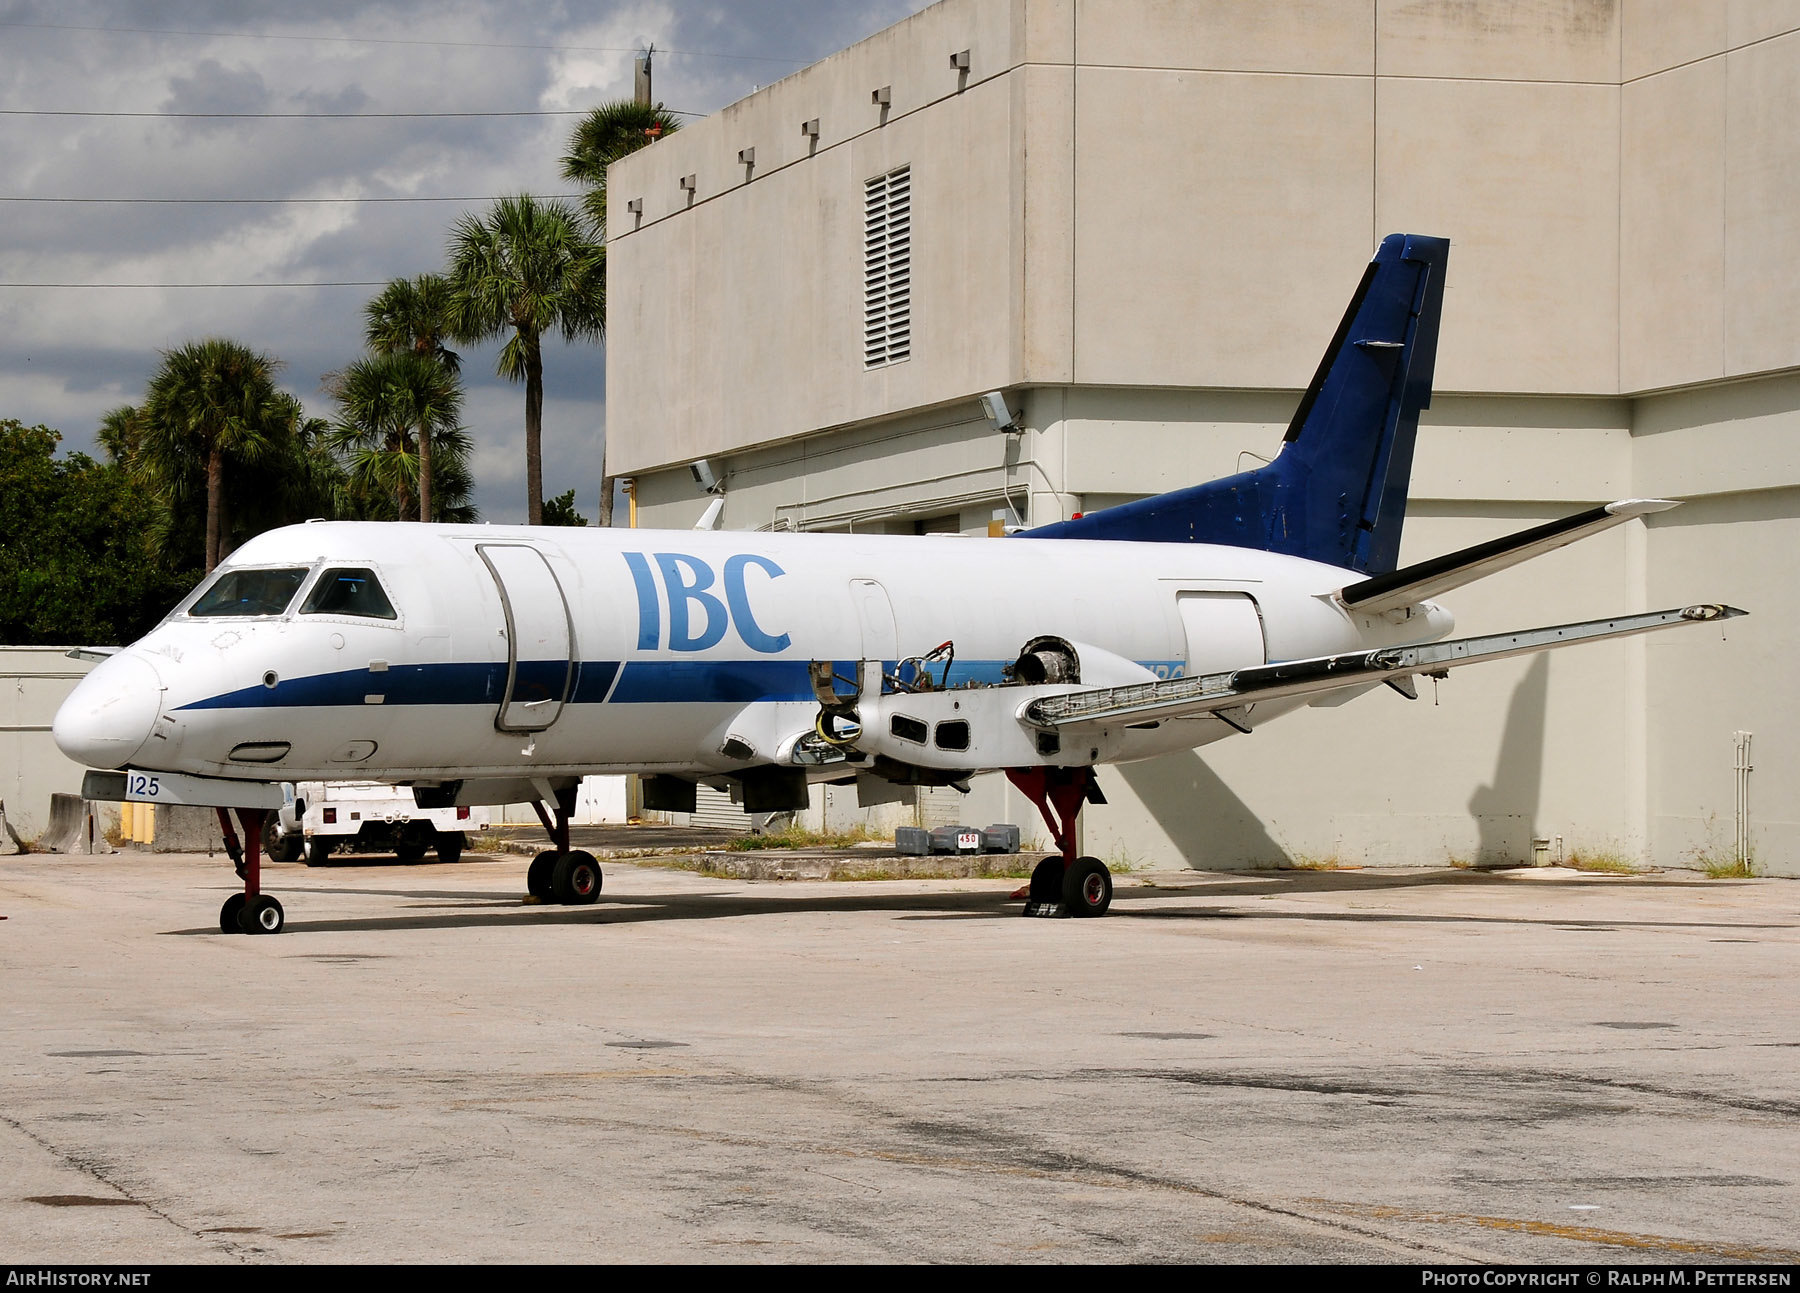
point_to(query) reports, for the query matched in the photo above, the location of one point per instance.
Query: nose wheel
(252, 911)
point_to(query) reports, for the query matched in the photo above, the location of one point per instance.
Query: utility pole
(641, 95)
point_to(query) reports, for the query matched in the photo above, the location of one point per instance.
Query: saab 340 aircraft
(499, 664)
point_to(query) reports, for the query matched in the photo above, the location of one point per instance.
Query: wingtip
(1641, 506)
(1712, 611)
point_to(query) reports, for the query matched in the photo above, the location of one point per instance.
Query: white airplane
(499, 664)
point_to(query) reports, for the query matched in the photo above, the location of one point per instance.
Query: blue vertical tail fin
(1336, 492)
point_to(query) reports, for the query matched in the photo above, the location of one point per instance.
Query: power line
(309, 116)
(162, 286)
(263, 201)
(394, 40)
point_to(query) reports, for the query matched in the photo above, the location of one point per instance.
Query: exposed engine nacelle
(1047, 658)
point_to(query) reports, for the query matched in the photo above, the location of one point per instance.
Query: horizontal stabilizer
(1413, 584)
(1216, 692)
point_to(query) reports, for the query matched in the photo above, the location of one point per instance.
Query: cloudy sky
(274, 102)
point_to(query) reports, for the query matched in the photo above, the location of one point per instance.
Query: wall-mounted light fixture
(707, 477)
(1004, 419)
(810, 128)
(747, 159)
(635, 206)
(688, 182)
(960, 61)
(883, 97)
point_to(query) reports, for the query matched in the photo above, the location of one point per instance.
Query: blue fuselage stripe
(639, 682)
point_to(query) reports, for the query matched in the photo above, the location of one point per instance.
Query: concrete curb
(531, 848)
(861, 864)
(804, 864)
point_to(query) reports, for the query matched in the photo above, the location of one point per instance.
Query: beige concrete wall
(1617, 181)
(1182, 203)
(33, 682)
(1709, 181)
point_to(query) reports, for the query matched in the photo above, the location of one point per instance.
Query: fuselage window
(349, 592)
(249, 592)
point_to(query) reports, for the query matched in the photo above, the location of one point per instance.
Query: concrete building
(1141, 220)
(34, 682)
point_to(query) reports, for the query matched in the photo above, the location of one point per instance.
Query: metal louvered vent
(887, 268)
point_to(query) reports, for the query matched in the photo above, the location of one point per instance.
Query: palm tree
(211, 402)
(609, 132)
(413, 315)
(118, 434)
(382, 401)
(528, 267)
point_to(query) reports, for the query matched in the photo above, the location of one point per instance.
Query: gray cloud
(73, 354)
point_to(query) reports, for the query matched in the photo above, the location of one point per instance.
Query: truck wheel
(277, 847)
(450, 845)
(315, 850)
(412, 840)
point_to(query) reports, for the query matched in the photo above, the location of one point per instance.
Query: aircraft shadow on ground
(1196, 901)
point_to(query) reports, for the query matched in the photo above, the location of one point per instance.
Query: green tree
(528, 267)
(118, 434)
(211, 403)
(561, 510)
(413, 315)
(607, 133)
(393, 411)
(77, 566)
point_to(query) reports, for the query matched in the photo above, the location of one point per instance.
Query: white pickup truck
(368, 817)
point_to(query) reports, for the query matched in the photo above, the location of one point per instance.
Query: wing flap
(1212, 693)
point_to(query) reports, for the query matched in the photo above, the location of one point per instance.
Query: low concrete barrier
(183, 828)
(74, 828)
(10, 843)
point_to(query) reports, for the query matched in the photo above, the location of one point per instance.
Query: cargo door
(875, 619)
(539, 637)
(1224, 631)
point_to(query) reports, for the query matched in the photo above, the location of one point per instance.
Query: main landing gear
(563, 875)
(252, 911)
(1064, 885)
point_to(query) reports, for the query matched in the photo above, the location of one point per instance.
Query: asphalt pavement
(1412, 1066)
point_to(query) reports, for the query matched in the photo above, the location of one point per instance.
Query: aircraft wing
(1223, 693)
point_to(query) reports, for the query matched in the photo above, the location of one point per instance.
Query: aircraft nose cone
(108, 716)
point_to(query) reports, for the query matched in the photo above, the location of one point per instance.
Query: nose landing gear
(252, 911)
(1064, 885)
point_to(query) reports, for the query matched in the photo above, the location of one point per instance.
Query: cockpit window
(249, 592)
(349, 592)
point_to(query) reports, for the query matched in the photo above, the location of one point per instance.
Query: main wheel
(262, 915)
(1087, 888)
(316, 849)
(450, 845)
(1047, 880)
(278, 847)
(413, 840)
(575, 879)
(228, 914)
(537, 879)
